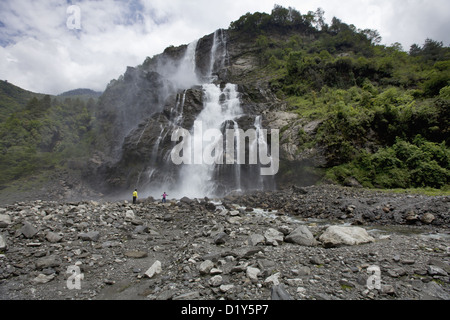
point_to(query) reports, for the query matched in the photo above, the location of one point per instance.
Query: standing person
(135, 196)
(164, 195)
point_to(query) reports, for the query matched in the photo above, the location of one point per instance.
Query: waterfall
(220, 106)
(205, 169)
(185, 75)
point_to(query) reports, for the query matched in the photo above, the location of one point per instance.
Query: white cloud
(41, 54)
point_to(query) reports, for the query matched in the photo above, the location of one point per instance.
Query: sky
(52, 46)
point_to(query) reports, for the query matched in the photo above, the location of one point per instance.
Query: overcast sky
(45, 48)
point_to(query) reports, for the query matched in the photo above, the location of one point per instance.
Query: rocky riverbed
(309, 243)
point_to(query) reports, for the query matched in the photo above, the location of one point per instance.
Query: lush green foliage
(385, 113)
(44, 135)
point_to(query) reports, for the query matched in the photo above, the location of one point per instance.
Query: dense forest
(385, 111)
(43, 134)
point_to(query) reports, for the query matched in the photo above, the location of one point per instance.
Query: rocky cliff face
(204, 82)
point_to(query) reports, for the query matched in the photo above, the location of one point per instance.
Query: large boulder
(301, 236)
(340, 235)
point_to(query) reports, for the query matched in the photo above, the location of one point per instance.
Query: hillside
(380, 115)
(43, 139)
(349, 110)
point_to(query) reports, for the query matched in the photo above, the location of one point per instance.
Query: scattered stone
(42, 278)
(129, 215)
(413, 258)
(337, 235)
(301, 236)
(188, 296)
(5, 220)
(226, 287)
(273, 237)
(90, 236)
(255, 239)
(278, 292)
(252, 273)
(436, 271)
(136, 254)
(427, 218)
(220, 238)
(273, 279)
(3, 245)
(154, 269)
(53, 237)
(205, 267)
(48, 262)
(215, 281)
(28, 230)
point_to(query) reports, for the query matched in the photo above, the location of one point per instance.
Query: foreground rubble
(237, 248)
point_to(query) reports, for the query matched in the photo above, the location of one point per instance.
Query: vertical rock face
(141, 112)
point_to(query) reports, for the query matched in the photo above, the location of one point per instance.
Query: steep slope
(344, 107)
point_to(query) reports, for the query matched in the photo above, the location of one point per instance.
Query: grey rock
(255, 239)
(188, 296)
(427, 218)
(154, 269)
(278, 292)
(42, 278)
(141, 229)
(273, 237)
(53, 237)
(28, 230)
(436, 271)
(5, 220)
(301, 236)
(215, 281)
(220, 238)
(338, 235)
(3, 244)
(90, 236)
(48, 262)
(205, 267)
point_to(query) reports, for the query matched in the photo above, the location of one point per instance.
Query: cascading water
(221, 112)
(220, 106)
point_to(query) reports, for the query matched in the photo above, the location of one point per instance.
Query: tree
(372, 35)
(319, 20)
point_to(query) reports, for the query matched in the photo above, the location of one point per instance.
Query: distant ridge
(81, 91)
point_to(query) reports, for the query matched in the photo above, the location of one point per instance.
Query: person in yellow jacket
(135, 196)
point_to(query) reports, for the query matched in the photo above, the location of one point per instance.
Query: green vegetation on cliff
(44, 135)
(385, 112)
